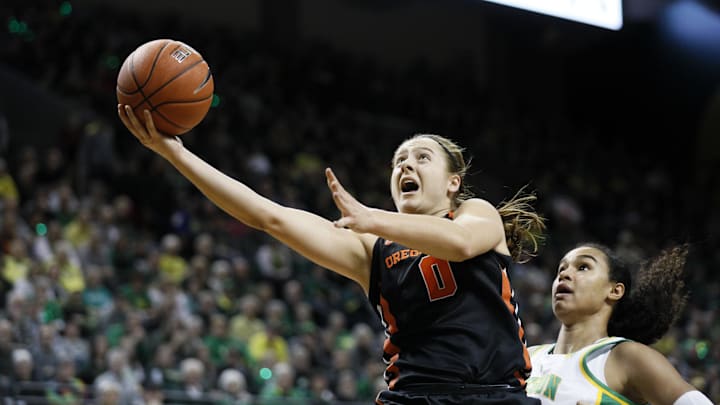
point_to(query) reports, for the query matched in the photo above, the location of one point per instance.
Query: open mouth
(408, 186)
(563, 289)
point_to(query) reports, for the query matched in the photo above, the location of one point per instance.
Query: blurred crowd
(120, 283)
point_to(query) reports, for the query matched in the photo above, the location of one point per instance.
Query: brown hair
(654, 297)
(524, 228)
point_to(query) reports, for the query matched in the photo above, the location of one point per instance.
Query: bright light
(694, 28)
(602, 13)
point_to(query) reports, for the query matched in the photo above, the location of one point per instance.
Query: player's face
(581, 287)
(420, 182)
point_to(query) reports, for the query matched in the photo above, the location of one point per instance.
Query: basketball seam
(147, 98)
(183, 101)
(152, 68)
(161, 115)
(157, 111)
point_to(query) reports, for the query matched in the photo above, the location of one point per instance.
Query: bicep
(340, 250)
(649, 374)
(482, 225)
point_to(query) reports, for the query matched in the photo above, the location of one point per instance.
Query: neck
(573, 337)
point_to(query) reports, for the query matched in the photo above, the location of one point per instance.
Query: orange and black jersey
(447, 322)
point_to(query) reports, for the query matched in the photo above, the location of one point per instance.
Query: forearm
(230, 195)
(435, 236)
(308, 234)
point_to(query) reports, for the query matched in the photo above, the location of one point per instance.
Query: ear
(454, 183)
(617, 292)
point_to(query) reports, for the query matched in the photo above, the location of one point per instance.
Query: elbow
(269, 222)
(462, 251)
(467, 247)
(466, 251)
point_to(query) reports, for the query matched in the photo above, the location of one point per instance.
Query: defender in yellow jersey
(593, 296)
(574, 377)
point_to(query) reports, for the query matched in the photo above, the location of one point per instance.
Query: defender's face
(581, 287)
(420, 182)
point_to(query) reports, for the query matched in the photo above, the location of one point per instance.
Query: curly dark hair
(654, 297)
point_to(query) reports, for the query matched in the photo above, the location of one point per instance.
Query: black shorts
(451, 394)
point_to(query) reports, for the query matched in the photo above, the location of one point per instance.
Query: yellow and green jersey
(559, 379)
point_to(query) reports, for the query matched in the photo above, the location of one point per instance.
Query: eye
(583, 267)
(424, 156)
(399, 160)
(561, 268)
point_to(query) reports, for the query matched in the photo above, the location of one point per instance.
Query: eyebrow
(589, 257)
(564, 260)
(425, 148)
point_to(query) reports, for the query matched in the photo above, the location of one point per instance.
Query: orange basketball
(171, 80)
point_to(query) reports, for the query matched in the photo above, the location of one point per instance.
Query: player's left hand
(354, 215)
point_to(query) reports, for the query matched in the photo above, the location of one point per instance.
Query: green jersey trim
(606, 396)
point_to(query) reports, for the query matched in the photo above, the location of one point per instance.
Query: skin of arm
(476, 228)
(644, 375)
(312, 236)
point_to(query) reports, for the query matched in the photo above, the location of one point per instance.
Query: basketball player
(608, 319)
(436, 271)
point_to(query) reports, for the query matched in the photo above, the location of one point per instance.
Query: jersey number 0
(438, 277)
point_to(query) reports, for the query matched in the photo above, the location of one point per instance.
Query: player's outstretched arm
(314, 237)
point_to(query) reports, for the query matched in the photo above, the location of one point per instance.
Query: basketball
(171, 80)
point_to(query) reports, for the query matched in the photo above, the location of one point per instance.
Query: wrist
(173, 152)
(375, 221)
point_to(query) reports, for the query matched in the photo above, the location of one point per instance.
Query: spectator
(171, 265)
(281, 389)
(268, 347)
(6, 348)
(219, 342)
(193, 376)
(162, 371)
(8, 188)
(71, 344)
(97, 297)
(66, 387)
(120, 375)
(247, 323)
(233, 388)
(45, 360)
(109, 392)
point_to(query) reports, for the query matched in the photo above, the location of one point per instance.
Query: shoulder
(477, 203)
(638, 370)
(479, 207)
(633, 353)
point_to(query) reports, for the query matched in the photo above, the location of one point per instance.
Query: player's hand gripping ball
(171, 80)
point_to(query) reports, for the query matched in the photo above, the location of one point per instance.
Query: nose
(564, 274)
(407, 164)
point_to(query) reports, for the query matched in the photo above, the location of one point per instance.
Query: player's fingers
(343, 222)
(149, 123)
(333, 181)
(339, 203)
(127, 121)
(330, 178)
(123, 117)
(135, 123)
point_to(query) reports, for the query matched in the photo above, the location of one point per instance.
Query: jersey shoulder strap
(607, 394)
